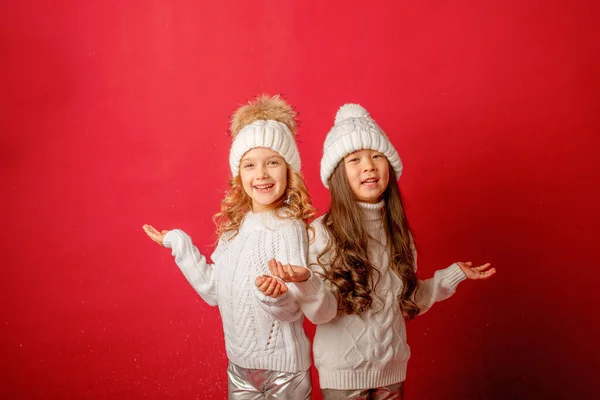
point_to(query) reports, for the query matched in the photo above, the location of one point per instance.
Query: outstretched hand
(154, 234)
(476, 273)
(270, 286)
(287, 272)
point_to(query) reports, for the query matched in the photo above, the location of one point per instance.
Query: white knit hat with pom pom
(268, 122)
(354, 129)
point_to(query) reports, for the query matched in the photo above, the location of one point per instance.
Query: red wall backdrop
(115, 113)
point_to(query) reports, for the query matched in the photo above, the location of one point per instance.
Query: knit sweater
(260, 332)
(367, 351)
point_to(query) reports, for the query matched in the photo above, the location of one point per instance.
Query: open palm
(476, 273)
(154, 234)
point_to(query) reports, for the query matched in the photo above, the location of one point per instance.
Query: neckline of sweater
(259, 218)
(372, 211)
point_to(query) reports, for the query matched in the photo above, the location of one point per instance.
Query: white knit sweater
(369, 351)
(260, 332)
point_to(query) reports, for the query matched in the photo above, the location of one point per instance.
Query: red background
(114, 114)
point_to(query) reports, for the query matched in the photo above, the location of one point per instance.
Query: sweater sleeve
(440, 287)
(196, 270)
(317, 299)
(289, 247)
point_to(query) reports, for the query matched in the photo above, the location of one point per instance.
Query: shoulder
(291, 226)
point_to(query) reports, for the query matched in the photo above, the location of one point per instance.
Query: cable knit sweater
(369, 351)
(260, 332)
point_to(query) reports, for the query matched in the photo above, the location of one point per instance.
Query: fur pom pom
(350, 111)
(263, 107)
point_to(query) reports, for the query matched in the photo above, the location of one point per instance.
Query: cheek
(281, 176)
(353, 179)
(385, 177)
(246, 181)
(350, 174)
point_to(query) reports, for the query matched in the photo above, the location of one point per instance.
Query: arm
(317, 301)
(196, 270)
(274, 298)
(445, 281)
(440, 287)
(317, 298)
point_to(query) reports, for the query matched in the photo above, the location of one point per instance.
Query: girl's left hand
(287, 272)
(270, 286)
(476, 273)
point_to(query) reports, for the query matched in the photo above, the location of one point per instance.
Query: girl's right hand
(270, 286)
(154, 234)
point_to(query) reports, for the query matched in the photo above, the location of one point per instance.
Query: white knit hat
(354, 129)
(265, 122)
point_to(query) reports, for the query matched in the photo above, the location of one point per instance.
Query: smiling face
(263, 173)
(368, 174)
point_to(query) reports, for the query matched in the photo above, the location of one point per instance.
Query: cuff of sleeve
(308, 288)
(270, 300)
(453, 275)
(170, 238)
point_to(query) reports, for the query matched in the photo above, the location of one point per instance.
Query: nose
(368, 165)
(261, 172)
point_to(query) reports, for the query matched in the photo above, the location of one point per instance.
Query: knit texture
(260, 332)
(354, 129)
(370, 351)
(271, 134)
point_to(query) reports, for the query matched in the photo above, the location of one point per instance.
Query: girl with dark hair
(363, 260)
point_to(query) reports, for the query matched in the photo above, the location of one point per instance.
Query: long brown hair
(237, 203)
(349, 268)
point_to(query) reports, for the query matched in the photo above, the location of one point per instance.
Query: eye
(378, 155)
(273, 162)
(352, 160)
(248, 165)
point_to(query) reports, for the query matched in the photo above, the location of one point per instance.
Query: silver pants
(391, 392)
(255, 384)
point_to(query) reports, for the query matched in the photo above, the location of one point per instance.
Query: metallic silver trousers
(255, 384)
(391, 392)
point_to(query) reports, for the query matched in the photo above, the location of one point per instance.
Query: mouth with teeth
(264, 188)
(370, 182)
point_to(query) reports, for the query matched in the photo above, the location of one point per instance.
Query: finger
(488, 274)
(281, 271)
(482, 267)
(468, 263)
(272, 286)
(259, 281)
(276, 292)
(151, 236)
(273, 266)
(290, 271)
(265, 285)
(283, 287)
(164, 231)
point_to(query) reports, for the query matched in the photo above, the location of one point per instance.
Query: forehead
(260, 152)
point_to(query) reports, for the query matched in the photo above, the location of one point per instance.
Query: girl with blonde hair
(262, 217)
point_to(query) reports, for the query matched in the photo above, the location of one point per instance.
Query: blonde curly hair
(295, 203)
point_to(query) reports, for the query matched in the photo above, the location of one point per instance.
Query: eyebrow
(267, 159)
